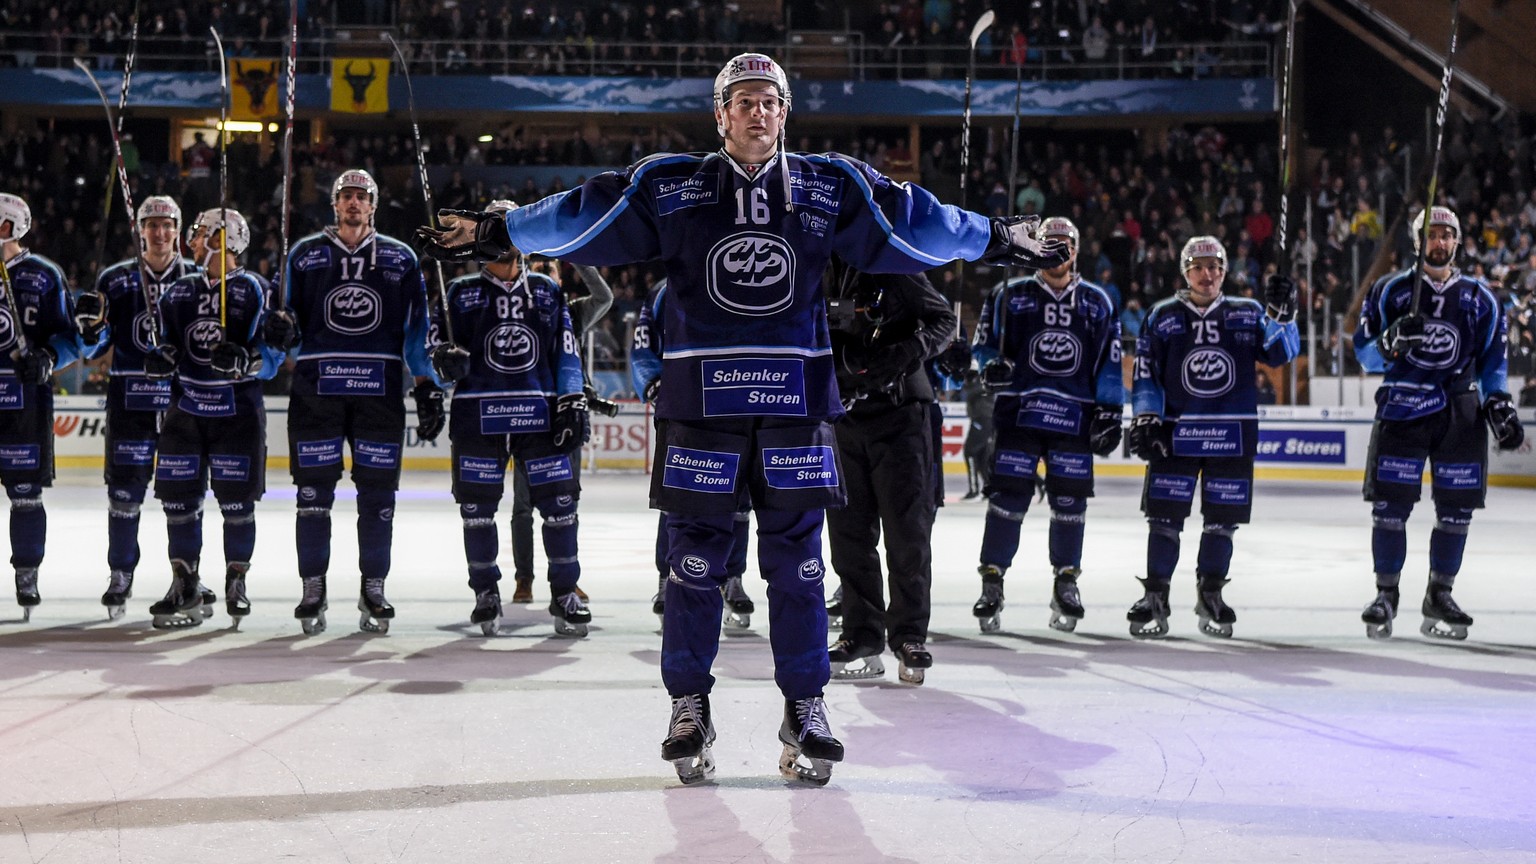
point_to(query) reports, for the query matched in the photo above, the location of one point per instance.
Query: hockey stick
(1013, 162)
(426, 184)
(1434, 161)
(982, 24)
(10, 303)
(293, 59)
(1281, 226)
(223, 185)
(122, 109)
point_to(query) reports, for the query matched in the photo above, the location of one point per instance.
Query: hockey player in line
(518, 393)
(748, 387)
(37, 336)
(1049, 347)
(1196, 424)
(1441, 360)
(646, 349)
(214, 433)
(355, 310)
(117, 314)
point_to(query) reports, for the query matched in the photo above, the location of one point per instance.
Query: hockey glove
(450, 362)
(90, 315)
(1014, 242)
(35, 365)
(997, 375)
(1104, 429)
(234, 362)
(466, 235)
(572, 423)
(1150, 438)
(431, 414)
(281, 330)
(652, 390)
(1402, 336)
(888, 365)
(160, 362)
(1504, 421)
(1280, 299)
(597, 404)
(954, 360)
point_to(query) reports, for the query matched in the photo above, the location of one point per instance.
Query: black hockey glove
(431, 414)
(1504, 421)
(160, 362)
(1150, 438)
(90, 315)
(466, 235)
(954, 360)
(572, 424)
(652, 390)
(1014, 242)
(1402, 336)
(281, 330)
(234, 362)
(884, 367)
(35, 365)
(1280, 299)
(997, 375)
(1104, 429)
(450, 362)
(597, 404)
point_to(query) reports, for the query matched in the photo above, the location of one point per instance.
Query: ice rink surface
(1297, 740)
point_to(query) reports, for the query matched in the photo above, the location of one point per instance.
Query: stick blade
(982, 24)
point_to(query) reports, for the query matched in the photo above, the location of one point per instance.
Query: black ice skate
(689, 737)
(374, 611)
(809, 748)
(26, 592)
(571, 615)
(1066, 603)
(1149, 615)
(182, 605)
(835, 610)
(845, 653)
(1443, 619)
(311, 609)
(119, 592)
(236, 603)
(989, 607)
(659, 602)
(914, 659)
(487, 611)
(738, 606)
(1216, 617)
(1379, 614)
(210, 599)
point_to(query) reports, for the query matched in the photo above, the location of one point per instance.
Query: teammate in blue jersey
(744, 235)
(1049, 348)
(646, 348)
(120, 314)
(355, 310)
(1442, 359)
(1196, 407)
(214, 432)
(35, 293)
(519, 394)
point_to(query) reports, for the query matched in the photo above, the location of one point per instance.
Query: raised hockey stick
(223, 184)
(426, 184)
(982, 24)
(1281, 226)
(1434, 160)
(122, 108)
(293, 58)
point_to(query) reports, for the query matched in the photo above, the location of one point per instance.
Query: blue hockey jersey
(745, 324)
(647, 346)
(1198, 367)
(1463, 347)
(189, 322)
(47, 314)
(129, 327)
(1065, 351)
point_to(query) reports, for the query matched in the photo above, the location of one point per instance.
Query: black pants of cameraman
(888, 468)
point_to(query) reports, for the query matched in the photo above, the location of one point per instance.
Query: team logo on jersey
(751, 274)
(694, 566)
(353, 309)
(1440, 348)
(511, 347)
(7, 332)
(143, 328)
(200, 336)
(1209, 372)
(1056, 353)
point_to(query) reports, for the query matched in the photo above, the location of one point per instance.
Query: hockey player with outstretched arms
(120, 314)
(1197, 425)
(1049, 347)
(518, 393)
(354, 312)
(37, 337)
(1445, 377)
(748, 388)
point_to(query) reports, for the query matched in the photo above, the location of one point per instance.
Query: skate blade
(115, 612)
(738, 621)
(793, 766)
(991, 623)
(234, 622)
(692, 770)
(1154, 629)
(177, 620)
(368, 624)
(489, 628)
(867, 668)
(1434, 628)
(314, 625)
(834, 622)
(205, 610)
(567, 628)
(1378, 631)
(1213, 628)
(1064, 623)
(910, 675)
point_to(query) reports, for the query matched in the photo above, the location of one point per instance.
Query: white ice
(1299, 739)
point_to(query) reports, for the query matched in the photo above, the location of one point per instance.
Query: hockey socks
(29, 525)
(375, 531)
(1068, 516)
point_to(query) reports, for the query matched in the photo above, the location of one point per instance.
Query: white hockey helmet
(15, 211)
(1059, 226)
(160, 207)
(355, 178)
(749, 67)
(237, 233)
(501, 205)
(1437, 216)
(1203, 246)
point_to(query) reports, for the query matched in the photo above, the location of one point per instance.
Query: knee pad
(123, 509)
(1220, 529)
(238, 512)
(1391, 515)
(1170, 528)
(182, 512)
(1008, 505)
(315, 502)
(1068, 508)
(25, 496)
(476, 515)
(126, 494)
(378, 503)
(1453, 520)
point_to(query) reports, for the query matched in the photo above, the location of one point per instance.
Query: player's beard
(1438, 258)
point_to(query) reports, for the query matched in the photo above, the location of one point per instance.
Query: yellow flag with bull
(360, 85)
(254, 89)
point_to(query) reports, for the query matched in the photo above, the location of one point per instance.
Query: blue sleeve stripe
(901, 243)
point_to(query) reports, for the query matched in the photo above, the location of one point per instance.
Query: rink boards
(1312, 443)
